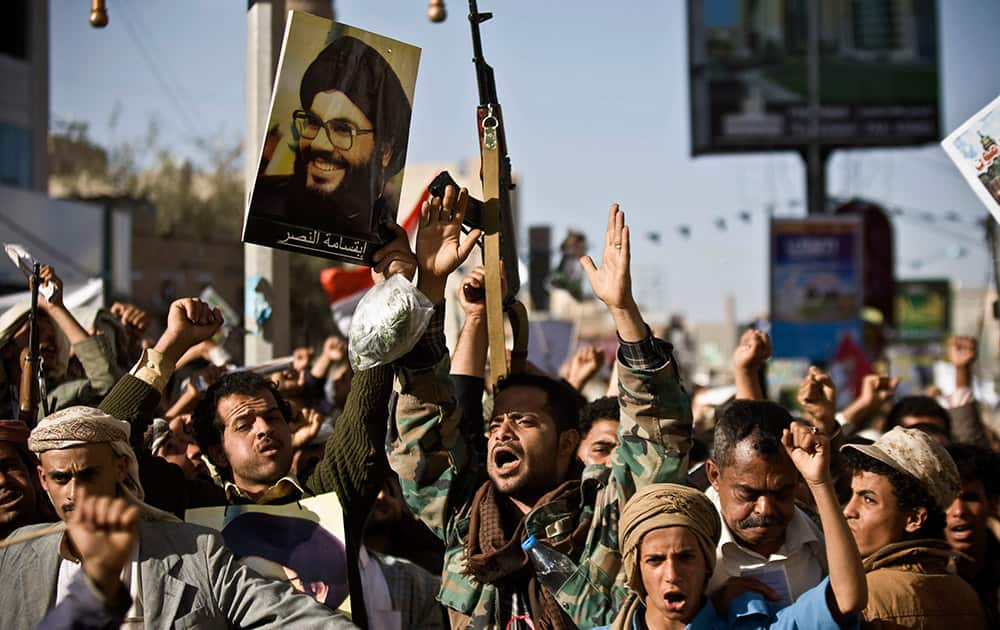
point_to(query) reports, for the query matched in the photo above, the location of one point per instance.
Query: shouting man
(529, 482)
(178, 575)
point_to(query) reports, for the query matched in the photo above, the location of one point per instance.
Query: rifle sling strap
(494, 290)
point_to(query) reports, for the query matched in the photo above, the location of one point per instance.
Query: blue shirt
(85, 608)
(751, 611)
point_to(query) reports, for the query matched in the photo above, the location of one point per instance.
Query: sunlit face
(527, 456)
(873, 514)
(256, 440)
(600, 442)
(756, 496)
(327, 165)
(674, 574)
(966, 518)
(91, 469)
(18, 500)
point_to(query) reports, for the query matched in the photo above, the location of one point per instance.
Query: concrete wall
(24, 91)
(165, 268)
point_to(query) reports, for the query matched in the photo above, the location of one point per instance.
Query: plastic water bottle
(551, 567)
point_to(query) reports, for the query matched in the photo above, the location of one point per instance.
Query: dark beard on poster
(346, 210)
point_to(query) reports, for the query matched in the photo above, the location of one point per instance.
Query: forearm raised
(655, 427)
(320, 367)
(354, 462)
(628, 322)
(847, 577)
(68, 324)
(95, 357)
(471, 349)
(185, 403)
(747, 385)
(428, 451)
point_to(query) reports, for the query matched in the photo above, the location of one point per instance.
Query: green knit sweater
(354, 463)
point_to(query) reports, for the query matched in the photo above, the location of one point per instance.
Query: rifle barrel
(488, 102)
(477, 41)
(484, 72)
(30, 393)
(36, 280)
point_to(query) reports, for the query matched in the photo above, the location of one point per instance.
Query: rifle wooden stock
(28, 392)
(491, 146)
(491, 114)
(491, 255)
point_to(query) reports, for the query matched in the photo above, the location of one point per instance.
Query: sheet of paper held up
(974, 149)
(776, 578)
(25, 262)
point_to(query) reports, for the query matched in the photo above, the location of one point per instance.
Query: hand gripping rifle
(30, 390)
(494, 216)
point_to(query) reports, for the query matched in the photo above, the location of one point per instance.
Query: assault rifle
(494, 215)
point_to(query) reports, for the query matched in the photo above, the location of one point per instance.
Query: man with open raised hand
(529, 482)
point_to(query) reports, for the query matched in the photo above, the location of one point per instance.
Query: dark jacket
(987, 582)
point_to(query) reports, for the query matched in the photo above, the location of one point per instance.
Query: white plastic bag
(387, 323)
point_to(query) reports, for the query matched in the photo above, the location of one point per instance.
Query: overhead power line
(186, 118)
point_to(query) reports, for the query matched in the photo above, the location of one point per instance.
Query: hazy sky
(595, 98)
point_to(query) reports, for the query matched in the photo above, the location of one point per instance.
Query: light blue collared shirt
(750, 611)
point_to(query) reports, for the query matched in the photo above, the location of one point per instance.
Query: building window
(14, 29)
(15, 156)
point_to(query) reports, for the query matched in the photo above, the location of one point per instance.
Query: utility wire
(190, 104)
(180, 110)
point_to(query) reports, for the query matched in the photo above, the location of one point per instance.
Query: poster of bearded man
(331, 163)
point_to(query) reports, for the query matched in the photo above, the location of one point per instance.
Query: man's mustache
(68, 507)
(760, 521)
(267, 443)
(309, 154)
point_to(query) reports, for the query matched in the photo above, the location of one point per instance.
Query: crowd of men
(523, 505)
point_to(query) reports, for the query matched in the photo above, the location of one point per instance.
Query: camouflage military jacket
(440, 473)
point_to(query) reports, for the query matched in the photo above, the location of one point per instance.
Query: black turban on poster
(297, 543)
(359, 71)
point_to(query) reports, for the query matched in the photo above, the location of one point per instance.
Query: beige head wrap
(666, 505)
(79, 426)
(654, 507)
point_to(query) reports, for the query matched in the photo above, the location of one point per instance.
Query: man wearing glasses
(351, 134)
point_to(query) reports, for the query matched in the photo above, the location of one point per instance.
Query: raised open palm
(612, 282)
(440, 246)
